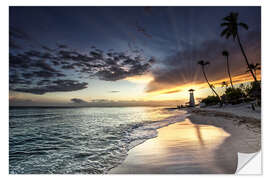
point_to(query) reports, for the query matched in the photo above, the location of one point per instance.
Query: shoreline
(245, 128)
(241, 116)
(244, 135)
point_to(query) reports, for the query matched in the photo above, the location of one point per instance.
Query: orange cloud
(242, 78)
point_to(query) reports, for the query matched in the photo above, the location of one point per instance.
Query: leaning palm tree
(231, 29)
(226, 54)
(203, 64)
(255, 67)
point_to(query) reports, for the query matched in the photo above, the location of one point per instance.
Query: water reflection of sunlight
(157, 114)
(194, 143)
(182, 147)
(191, 133)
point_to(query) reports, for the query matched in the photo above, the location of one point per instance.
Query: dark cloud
(62, 46)
(18, 33)
(114, 91)
(54, 86)
(15, 79)
(152, 60)
(18, 61)
(78, 101)
(13, 45)
(47, 48)
(142, 30)
(125, 103)
(43, 65)
(182, 68)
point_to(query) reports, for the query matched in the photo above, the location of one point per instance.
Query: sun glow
(201, 89)
(141, 79)
(198, 86)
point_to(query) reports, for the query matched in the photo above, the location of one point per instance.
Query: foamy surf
(80, 140)
(149, 129)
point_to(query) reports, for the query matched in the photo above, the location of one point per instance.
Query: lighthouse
(191, 98)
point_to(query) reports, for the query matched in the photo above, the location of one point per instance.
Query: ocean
(80, 140)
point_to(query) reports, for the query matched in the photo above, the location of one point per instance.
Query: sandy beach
(207, 142)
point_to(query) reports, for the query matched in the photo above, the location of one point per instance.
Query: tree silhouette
(255, 67)
(226, 54)
(203, 64)
(231, 25)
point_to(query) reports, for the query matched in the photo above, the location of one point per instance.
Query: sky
(123, 56)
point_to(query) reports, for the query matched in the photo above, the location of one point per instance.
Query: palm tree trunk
(255, 73)
(228, 68)
(210, 84)
(244, 54)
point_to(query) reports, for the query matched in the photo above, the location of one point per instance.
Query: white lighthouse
(191, 98)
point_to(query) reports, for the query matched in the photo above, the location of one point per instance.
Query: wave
(149, 129)
(82, 141)
(31, 115)
(144, 131)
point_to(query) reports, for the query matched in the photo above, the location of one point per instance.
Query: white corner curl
(249, 164)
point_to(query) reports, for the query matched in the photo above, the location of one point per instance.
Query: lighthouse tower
(191, 98)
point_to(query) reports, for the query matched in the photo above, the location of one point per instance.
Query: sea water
(80, 140)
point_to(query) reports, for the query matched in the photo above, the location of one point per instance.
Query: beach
(206, 142)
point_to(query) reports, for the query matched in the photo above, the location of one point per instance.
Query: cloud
(54, 86)
(43, 65)
(182, 68)
(78, 101)
(62, 46)
(18, 33)
(125, 103)
(114, 91)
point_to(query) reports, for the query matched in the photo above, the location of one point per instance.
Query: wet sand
(202, 144)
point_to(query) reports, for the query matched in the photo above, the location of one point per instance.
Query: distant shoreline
(22, 107)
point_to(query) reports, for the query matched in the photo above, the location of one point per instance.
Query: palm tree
(255, 67)
(226, 54)
(231, 29)
(203, 64)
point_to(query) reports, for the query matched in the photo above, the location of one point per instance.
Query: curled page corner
(249, 163)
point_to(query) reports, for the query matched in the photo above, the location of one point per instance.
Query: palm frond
(224, 24)
(224, 32)
(227, 18)
(228, 35)
(245, 26)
